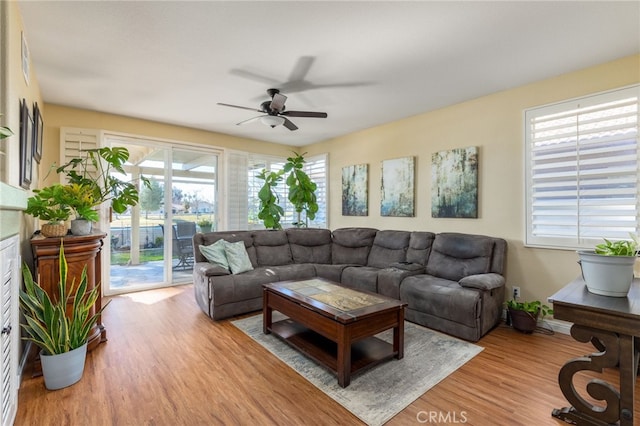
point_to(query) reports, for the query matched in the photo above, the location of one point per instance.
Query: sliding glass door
(151, 245)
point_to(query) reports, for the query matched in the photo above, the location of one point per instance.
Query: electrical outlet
(516, 292)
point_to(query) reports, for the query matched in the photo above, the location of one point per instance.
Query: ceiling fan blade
(301, 68)
(310, 114)
(289, 124)
(277, 103)
(249, 120)
(241, 107)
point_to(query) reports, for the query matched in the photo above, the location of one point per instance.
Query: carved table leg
(614, 349)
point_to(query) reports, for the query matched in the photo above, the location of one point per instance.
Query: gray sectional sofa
(451, 282)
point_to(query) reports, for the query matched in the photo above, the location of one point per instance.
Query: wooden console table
(612, 325)
(80, 251)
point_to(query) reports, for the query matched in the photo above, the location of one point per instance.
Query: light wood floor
(167, 363)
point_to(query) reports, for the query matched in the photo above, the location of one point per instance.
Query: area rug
(378, 394)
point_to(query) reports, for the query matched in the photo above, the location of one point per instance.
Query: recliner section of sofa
(451, 282)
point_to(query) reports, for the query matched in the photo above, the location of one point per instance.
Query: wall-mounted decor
(38, 129)
(26, 145)
(454, 183)
(397, 187)
(355, 193)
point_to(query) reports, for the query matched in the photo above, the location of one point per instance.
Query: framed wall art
(26, 145)
(454, 183)
(38, 131)
(397, 187)
(355, 190)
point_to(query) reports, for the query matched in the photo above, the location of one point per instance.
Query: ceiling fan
(275, 113)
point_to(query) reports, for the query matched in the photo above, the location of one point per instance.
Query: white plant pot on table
(607, 275)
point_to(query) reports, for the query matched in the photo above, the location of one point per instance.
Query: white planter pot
(63, 370)
(81, 227)
(607, 275)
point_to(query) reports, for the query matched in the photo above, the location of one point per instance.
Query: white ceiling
(367, 62)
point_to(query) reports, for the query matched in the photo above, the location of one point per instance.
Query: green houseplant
(301, 189)
(60, 325)
(48, 204)
(608, 269)
(92, 180)
(524, 315)
(5, 132)
(270, 211)
(205, 224)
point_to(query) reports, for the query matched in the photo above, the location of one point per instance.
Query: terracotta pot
(53, 229)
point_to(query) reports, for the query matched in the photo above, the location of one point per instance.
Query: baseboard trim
(558, 326)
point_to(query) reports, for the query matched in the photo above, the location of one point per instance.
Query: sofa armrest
(407, 266)
(486, 282)
(209, 270)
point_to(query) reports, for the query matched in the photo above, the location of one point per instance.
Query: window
(582, 170)
(252, 165)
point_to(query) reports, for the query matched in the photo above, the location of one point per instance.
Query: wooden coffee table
(335, 325)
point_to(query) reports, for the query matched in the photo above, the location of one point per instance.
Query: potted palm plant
(59, 326)
(524, 315)
(48, 204)
(608, 269)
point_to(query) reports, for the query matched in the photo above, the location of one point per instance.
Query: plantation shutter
(73, 141)
(316, 169)
(582, 162)
(236, 186)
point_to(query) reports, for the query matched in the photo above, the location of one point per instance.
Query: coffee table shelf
(334, 325)
(365, 353)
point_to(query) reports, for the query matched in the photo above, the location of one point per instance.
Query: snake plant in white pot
(59, 325)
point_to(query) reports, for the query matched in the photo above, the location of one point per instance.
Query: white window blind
(236, 190)
(582, 165)
(74, 141)
(316, 169)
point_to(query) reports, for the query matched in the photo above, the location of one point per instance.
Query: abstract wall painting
(454, 183)
(397, 187)
(355, 192)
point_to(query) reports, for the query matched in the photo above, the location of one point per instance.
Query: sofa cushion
(230, 236)
(388, 247)
(272, 248)
(237, 257)
(361, 278)
(441, 298)
(310, 245)
(454, 255)
(352, 245)
(215, 254)
(420, 247)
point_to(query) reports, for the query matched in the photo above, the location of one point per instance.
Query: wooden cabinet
(80, 251)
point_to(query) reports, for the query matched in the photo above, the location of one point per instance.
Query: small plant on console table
(48, 204)
(608, 269)
(524, 315)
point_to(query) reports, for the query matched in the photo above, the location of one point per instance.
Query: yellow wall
(13, 89)
(494, 124)
(60, 116)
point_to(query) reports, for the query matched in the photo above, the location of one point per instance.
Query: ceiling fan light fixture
(272, 120)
